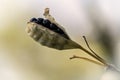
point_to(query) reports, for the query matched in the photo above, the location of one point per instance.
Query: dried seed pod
(49, 38)
(54, 36)
(49, 33)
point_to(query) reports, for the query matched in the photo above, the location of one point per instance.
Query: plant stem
(91, 54)
(90, 60)
(92, 50)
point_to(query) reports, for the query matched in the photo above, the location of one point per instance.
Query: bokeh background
(21, 58)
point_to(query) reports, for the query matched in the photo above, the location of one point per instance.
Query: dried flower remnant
(48, 32)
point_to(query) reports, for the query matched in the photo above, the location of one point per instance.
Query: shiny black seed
(60, 31)
(53, 27)
(56, 29)
(46, 23)
(33, 20)
(40, 21)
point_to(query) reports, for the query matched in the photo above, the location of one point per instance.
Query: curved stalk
(94, 56)
(87, 59)
(92, 53)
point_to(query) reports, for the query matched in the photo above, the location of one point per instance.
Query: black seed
(46, 23)
(60, 31)
(56, 29)
(53, 27)
(40, 21)
(33, 20)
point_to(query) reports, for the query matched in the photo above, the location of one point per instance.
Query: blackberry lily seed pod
(49, 38)
(49, 33)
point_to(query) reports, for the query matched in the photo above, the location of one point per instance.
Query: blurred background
(21, 58)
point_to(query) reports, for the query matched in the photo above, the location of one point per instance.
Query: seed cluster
(46, 23)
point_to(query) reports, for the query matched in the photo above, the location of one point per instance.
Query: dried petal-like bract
(49, 38)
(54, 38)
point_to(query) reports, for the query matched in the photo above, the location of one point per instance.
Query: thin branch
(94, 56)
(87, 59)
(92, 50)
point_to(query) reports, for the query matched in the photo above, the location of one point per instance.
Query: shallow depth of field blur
(21, 58)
